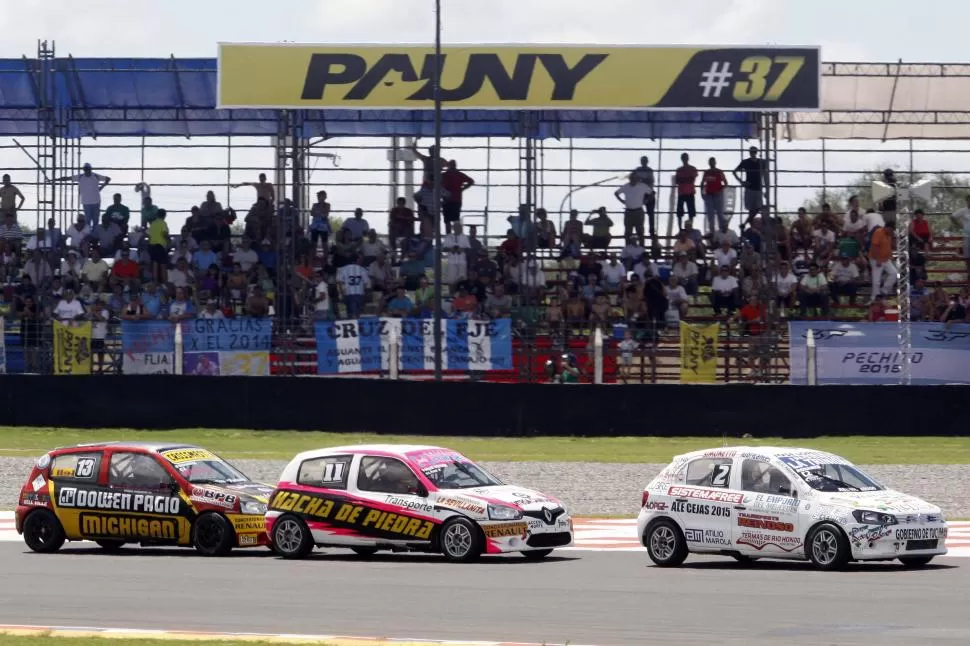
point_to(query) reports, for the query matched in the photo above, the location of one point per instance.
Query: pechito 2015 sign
(536, 77)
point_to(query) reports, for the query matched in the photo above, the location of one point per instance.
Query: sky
(860, 30)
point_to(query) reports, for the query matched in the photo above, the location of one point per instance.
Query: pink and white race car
(401, 497)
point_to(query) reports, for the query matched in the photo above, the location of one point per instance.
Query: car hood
(249, 490)
(510, 494)
(888, 501)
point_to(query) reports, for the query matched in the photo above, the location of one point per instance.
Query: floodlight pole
(436, 194)
(904, 331)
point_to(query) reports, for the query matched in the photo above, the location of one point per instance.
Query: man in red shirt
(752, 317)
(125, 270)
(713, 183)
(453, 184)
(685, 177)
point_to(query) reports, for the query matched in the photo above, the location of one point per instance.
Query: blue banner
(237, 346)
(362, 345)
(869, 353)
(148, 347)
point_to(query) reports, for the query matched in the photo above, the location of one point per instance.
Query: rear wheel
(364, 551)
(828, 548)
(109, 545)
(291, 537)
(460, 540)
(915, 561)
(665, 544)
(212, 535)
(536, 555)
(43, 532)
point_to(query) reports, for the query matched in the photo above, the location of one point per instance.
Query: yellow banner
(698, 353)
(72, 348)
(534, 77)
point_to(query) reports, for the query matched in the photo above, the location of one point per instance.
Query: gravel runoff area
(593, 488)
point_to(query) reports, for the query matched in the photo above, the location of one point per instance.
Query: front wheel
(460, 540)
(828, 548)
(915, 561)
(109, 545)
(536, 555)
(43, 532)
(291, 538)
(665, 544)
(212, 535)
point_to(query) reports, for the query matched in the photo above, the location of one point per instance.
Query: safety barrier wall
(480, 409)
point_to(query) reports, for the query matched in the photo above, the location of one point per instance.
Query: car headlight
(255, 508)
(503, 512)
(873, 517)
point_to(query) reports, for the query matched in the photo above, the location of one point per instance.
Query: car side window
(137, 470)
(761, 477)
(76, 466)
(710, 472)
(385, 475)
(330, 472)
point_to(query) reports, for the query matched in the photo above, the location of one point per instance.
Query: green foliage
(949, 194)
(336, 223)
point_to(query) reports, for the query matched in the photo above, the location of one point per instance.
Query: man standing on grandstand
(645, 176)
(89, 186)
(453, 185)
(633, 195)
(754, 182)
(432, 163)
(263, 188)
(881, 261)
(8, 198)
(353, 281)
(685, 178)
(961, 218)
(713, 183)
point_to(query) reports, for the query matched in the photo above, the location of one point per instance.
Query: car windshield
(210, 472)
(837, 477)
(450, 470)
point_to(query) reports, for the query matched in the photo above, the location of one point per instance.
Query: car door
(401, 510)
(74, 477)
(323, 501)
(142, 502)
(704, 506)
(767, 521)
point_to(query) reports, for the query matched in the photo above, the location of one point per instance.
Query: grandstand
(60, 111)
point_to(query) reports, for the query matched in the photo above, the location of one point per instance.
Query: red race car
(151, 494)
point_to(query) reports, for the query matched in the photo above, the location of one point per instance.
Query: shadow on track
(802, 566)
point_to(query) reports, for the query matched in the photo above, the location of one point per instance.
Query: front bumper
(893, 541)
(250, 529)
(526, 535)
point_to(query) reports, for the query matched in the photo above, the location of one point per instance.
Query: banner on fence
(148, 347)
(72, 348)
(698, 353)
(3, 346)
(869, 353)
(363, 345)
(233, 347)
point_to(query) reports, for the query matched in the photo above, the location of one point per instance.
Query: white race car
(408, 498)
(784, 503)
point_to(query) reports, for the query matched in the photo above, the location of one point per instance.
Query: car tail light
(644, 498)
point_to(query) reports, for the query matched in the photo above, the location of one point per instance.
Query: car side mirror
(419, 490)
(785, 491)
(174, 488)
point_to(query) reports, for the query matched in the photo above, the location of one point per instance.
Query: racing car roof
(156, 447)
(767, 451)
(392, 449)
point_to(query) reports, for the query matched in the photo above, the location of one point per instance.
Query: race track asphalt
(578, 597)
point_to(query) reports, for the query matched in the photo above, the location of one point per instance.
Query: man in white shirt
(724, 291)
(245, 255)
(613, 275)
(686, 272)
(632, 252)
(845, 280)
(854, 222)
(211, 310)
(633, 195)
(321, 297)
(353, 281)
(813, 291)
(69, 308)
(456, 239)
(89, 187)
(725, 256)
(78, 232)
(722, 234)
(785, 283)
(961, 218)
(181, 276)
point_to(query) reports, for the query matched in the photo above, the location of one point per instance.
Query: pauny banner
(531, 77)
(148, 347)
(698, 353)
(869, 353)
(221, 347)
(72, 348)
(363, 345)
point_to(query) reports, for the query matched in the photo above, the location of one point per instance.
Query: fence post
(598, 356)
(392, 354)
(810, 365)
(178, 348)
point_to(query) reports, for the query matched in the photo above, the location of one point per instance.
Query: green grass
(282, 445)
